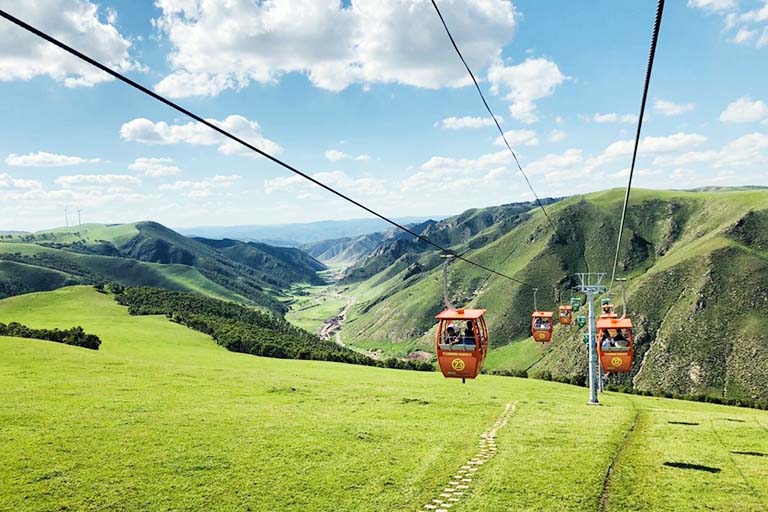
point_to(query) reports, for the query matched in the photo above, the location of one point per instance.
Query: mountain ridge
(146, 253)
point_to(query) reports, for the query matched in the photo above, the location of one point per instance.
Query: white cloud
(443, 174)
(304, 189)
(744, 35)
(84, 184)
(639, 172)
(650, 145)
(154, 167)
(756, 15)
(524, 84)
(203, 188)
(712, 5)
(763, 41)
(747, 24)
(483, 162)
(675, 142)
(23, 56)
(670, 109)
(744, 110)
(558, 166)
(557, 135)
(687, 159)
(334, 155)
(748, 152)
(148, 132)
(227, 45)
(111, 181)
(518, 138)
(43, 159)
(9, 182)
(613, 117)
(458, 123)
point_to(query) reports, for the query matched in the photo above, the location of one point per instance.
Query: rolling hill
(149, 254)
(162, 418)
(696, 260)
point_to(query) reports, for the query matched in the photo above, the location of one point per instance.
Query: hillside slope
(149, 254)
(698, 269)
(161, 418)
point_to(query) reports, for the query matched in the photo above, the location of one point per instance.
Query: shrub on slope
(241, 329)
(75, 336)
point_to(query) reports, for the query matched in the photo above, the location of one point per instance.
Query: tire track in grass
(605, 493)
(459, 485)
(735, 464)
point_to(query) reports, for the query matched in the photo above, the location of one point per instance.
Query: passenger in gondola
(620, 340)
(469, 334)
(545, 324)
(537, 323)
(451, 336)
(606, 343)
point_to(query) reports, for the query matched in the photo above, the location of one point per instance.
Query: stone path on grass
(461, 482)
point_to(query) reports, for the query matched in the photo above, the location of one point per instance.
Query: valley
(683, 249)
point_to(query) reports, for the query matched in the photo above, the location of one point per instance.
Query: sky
(369, 97)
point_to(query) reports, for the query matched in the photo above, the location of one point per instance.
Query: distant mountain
(697, 264)
(347, 251)
(290, 263)
(150, 254)
(460, 232)
(296, 235)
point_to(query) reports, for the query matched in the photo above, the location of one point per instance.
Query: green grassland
(311, 306)
(161, 418)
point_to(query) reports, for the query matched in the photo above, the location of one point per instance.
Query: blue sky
(369, 97)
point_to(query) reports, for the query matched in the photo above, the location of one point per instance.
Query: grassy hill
(698, 269)
(149, 254)
(162, 418)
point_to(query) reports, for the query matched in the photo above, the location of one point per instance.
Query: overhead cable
(498, 127)
(93, 62)
(495, 120)
(646, 84)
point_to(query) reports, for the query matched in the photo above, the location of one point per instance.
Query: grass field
(316, 304)
(160, 418)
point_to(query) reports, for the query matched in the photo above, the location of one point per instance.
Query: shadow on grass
(732, 419)
(753, 454)
(681, 423)
(695, 467)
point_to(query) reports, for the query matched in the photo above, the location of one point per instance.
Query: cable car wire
(496, 122)
(498, 127)
(649, 69)
(93, 62)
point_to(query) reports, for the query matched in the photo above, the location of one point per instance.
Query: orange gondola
(541, 326)
(608, 311)
(461, 349)
(615, 345)
(565, 314)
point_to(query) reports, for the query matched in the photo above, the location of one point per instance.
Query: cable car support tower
(591, 286)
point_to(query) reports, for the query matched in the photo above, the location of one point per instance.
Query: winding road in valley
(332, 327)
